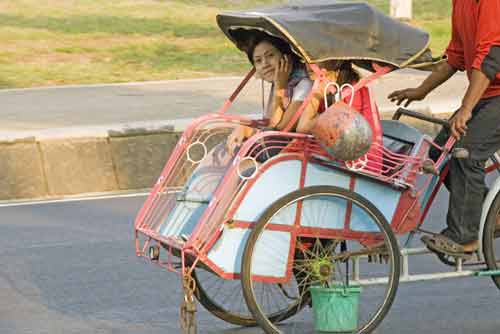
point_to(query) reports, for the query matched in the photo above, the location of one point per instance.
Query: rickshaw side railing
(174, 158)
(396, 169)
(178, 168)
(181, 145)
(211, 223)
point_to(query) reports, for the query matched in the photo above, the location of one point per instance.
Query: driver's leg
(466, 175)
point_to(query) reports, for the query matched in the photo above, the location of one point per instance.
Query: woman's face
(266, 60)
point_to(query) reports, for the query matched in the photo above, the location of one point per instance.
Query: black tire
(390, 253)
(229, 306)
(223, 298)
(491, 239)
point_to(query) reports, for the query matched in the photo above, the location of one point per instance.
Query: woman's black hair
(346, 74)
(278, 43)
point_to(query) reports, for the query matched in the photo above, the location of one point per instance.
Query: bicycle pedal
(464, 257)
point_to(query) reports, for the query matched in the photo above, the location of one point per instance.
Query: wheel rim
(492, 241)
(315, 257)
(221, 297)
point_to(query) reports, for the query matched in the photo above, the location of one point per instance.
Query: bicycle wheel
(318, 259)
(491, 239)
(224, 298)
(221, 297)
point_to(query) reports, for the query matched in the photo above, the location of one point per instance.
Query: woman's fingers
(284, 64)
(276, 72)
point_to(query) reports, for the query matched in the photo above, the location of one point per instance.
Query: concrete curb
(74, 161)
(47, 167)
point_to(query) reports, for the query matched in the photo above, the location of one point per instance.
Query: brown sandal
(444, 245)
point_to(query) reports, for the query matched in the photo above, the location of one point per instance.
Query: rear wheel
(491, 239)
(318, 259)
(221, 297)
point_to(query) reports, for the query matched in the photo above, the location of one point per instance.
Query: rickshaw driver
(474, 47)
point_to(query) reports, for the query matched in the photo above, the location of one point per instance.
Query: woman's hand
(275, 117)
(237, 137)
(282, 72)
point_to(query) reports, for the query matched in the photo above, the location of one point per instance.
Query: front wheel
(491, 239)
(320, 256)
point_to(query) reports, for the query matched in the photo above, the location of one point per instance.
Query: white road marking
(70, 199)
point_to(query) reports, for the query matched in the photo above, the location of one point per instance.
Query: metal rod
(355, 270)
(418, 277)
(415, 251)
(406, 266)
(459, 265)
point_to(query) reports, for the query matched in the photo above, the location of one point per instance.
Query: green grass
(56, 42)
(434, 16)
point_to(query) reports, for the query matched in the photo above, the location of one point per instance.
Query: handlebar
(457, 152)
(401, 111)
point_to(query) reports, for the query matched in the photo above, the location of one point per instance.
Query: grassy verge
(56, 42)
(434, 16)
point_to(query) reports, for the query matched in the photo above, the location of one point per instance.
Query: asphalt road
(71, 268)
(29, 111)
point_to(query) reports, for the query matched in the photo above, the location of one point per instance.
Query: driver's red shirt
(475, 40)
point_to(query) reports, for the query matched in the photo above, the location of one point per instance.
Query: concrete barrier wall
(114, 161)
(41, 168)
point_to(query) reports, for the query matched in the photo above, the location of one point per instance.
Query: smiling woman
(275, 63)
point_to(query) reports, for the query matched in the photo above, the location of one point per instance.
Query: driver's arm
(442, 72)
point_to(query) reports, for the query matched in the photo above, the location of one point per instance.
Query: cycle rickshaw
(251, 245)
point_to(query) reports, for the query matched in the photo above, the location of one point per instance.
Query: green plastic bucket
(335, 308)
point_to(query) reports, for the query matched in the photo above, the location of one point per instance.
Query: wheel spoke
(319, 261)
(223, 298)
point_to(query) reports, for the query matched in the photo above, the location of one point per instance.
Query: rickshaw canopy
(334, 30)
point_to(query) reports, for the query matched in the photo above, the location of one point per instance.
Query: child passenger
(342, 72)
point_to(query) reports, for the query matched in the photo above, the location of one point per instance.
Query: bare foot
(471, 246)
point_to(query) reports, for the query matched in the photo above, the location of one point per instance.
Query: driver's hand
(458, 123)
(409, 95)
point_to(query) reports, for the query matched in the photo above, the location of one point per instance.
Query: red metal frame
(397, 170)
